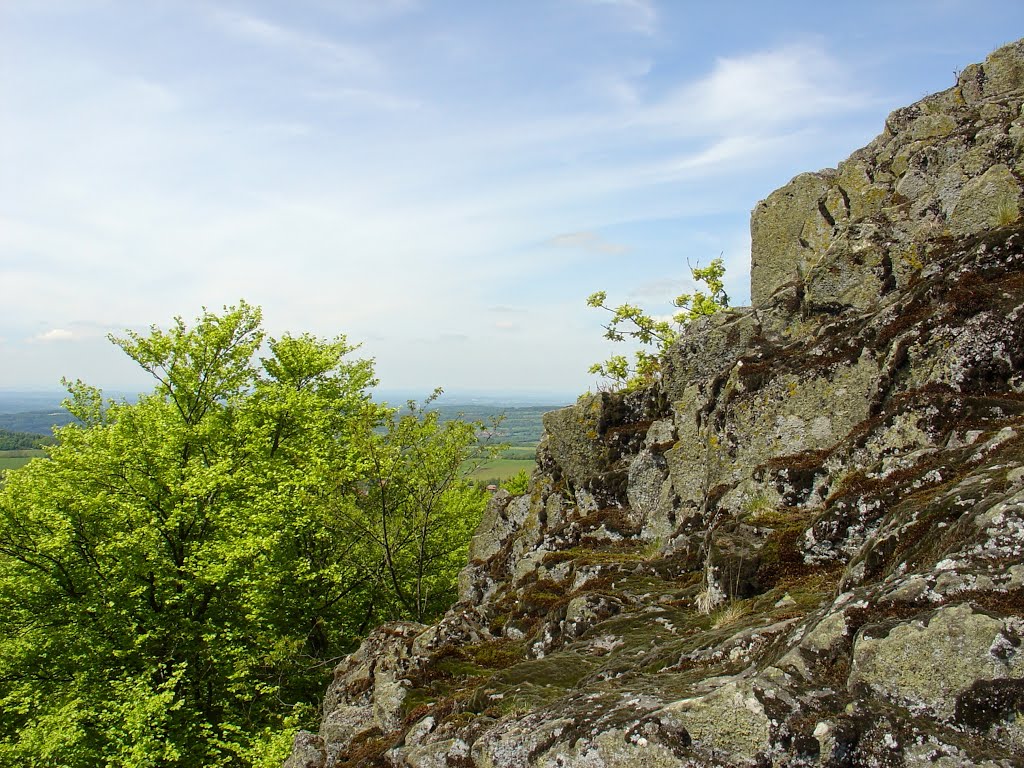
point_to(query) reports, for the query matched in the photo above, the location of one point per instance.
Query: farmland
(15, 459)
(511, 461)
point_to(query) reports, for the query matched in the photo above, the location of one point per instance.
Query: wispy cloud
(344, 57)
(588, 241)
(420, 163)
(659, 289)
(54, 334)
(764, 88)
(726, 153)
(744, 106)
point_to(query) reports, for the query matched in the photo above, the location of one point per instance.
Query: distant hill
(36, 422)
(39, 412)
(466, 398)
(19, 401)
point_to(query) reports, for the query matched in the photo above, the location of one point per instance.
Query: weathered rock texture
(805, 546)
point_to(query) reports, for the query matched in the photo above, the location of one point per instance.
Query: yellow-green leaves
(181, 571)
(698, 303)
(630, 322)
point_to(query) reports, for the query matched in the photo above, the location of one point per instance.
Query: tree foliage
(415, 511)
(630, 322)
(179, 574)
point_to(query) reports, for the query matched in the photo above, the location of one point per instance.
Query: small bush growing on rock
(631, 322)
(518, 483)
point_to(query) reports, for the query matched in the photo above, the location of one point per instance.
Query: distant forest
(22, 441)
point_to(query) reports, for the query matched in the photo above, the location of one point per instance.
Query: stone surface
(788, 230)
(307, 752)
(730, 721)
(949, 165)
(804, 546)
(986, 201)
(574, 437)
(931, 665)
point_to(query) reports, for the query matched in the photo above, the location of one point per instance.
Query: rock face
(803, 547)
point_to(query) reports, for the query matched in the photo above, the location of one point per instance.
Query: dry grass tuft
(730, 613)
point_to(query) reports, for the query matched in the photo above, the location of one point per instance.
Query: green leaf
(631, 323)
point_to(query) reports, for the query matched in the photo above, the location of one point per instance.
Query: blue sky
(442, 181)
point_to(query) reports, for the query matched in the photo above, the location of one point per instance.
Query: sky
(444, 182)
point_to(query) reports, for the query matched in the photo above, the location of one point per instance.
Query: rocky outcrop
(805, 545)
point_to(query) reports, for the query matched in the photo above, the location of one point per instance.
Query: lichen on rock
(804, 546)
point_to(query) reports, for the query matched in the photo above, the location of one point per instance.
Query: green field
(15, 459)
(520, 453)
(497, 470)
(510, 462)
(520, 426)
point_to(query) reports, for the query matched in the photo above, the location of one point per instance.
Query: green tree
(415, 508)
(655, 335)
(178, 574)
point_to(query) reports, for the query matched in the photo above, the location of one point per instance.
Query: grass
(729, 614)
(15, 459)
(510, 462)
(500, 469)
(520, 452)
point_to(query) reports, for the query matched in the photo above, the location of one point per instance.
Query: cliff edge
(805, 546)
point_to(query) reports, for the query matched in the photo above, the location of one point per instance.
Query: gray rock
(787, 230)
(990, 200)
(930, 665)
(307, 752)
(840, 467)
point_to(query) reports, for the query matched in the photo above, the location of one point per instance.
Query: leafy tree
(415, 509)
(178, 573)
(631, 322)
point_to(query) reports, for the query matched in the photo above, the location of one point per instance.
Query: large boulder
(951, 164)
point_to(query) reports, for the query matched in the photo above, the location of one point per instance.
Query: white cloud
(622, 86)
(762, 89)
(659, 289)
(588, 241)
(55, 334)
(352, 195)
(746, 108)
(727, 153)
